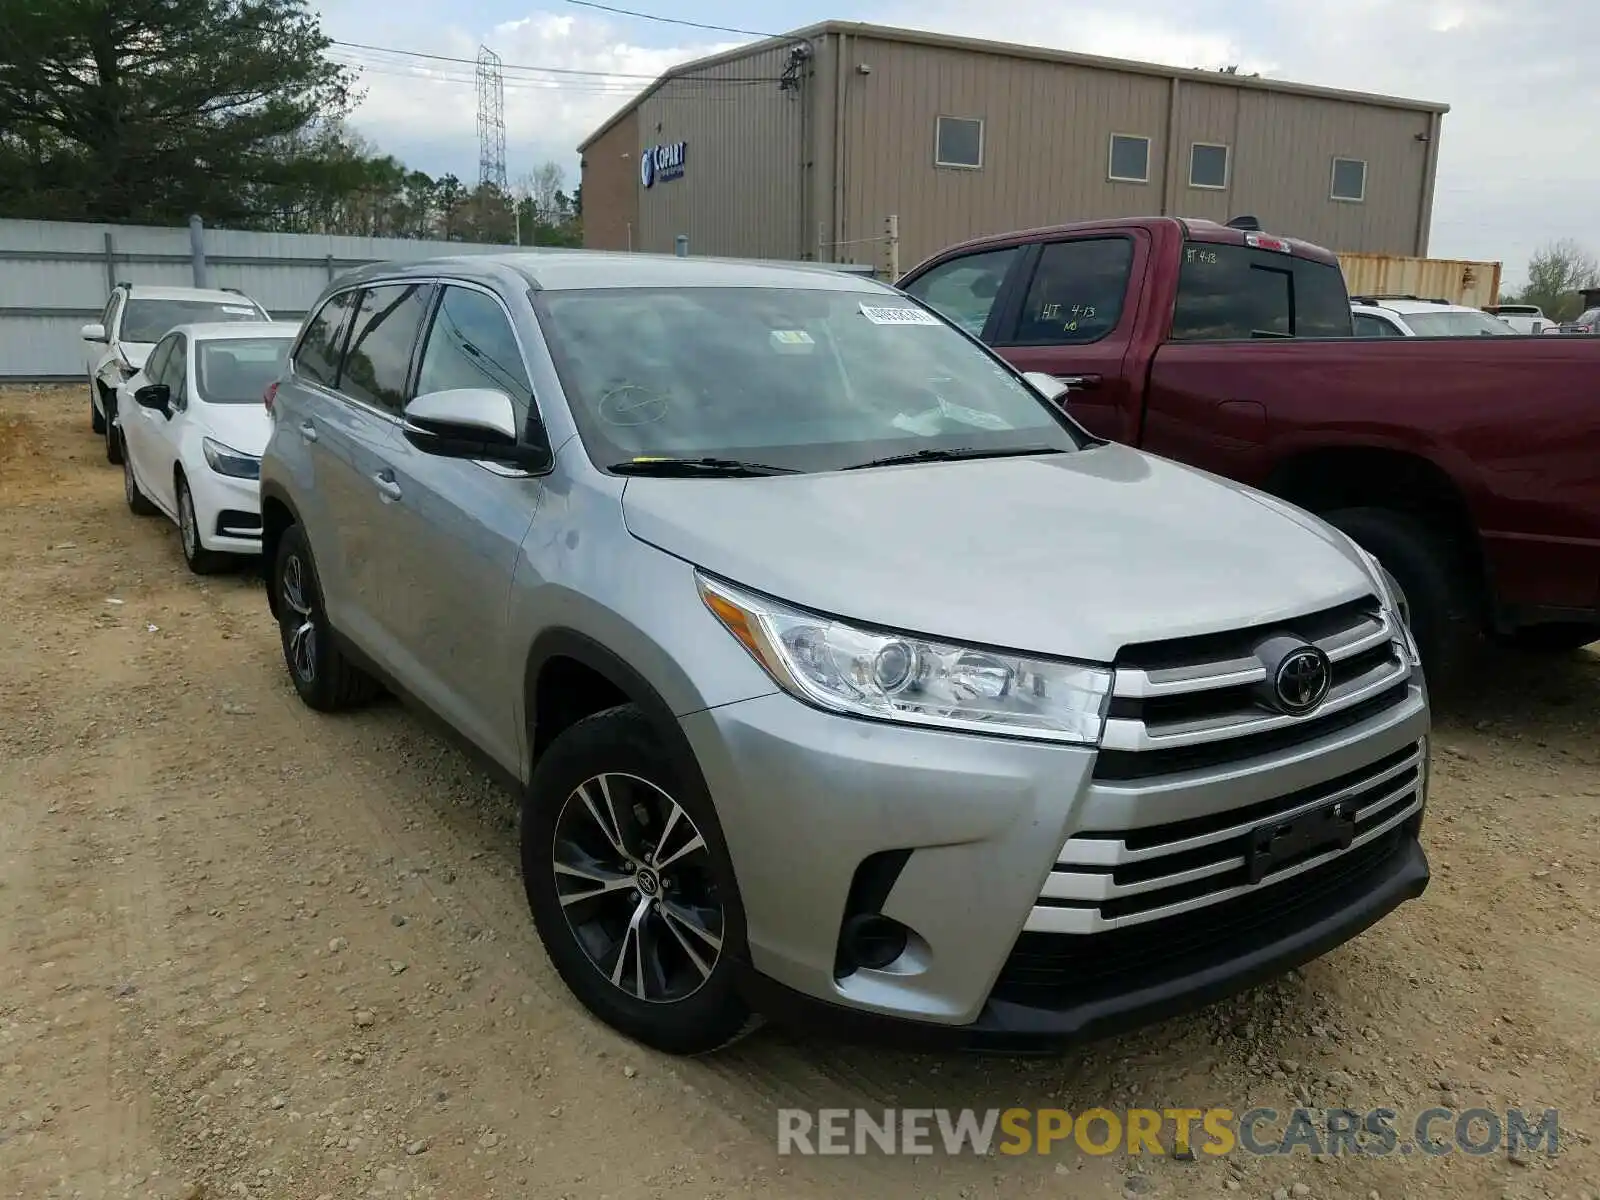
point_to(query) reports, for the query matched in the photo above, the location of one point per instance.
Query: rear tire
(651, 952)
(1434, 581)
(138, 503)
(97, 421)
(1559, 638)
(324, 678)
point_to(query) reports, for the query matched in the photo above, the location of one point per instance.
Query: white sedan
(192, 425)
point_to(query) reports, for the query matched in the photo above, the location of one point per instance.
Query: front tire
(200, 560)
(324, 678)
(113, 434)
(631, 886)
(97, 420)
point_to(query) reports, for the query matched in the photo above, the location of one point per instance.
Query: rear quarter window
(1226, 292)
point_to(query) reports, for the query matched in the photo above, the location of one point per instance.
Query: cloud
(425, 113)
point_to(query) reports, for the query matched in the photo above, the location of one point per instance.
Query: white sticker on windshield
(898, 316)
(237, 311)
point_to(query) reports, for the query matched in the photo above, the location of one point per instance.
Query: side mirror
(94, 332)
(473, 423)
(154, 395)
(1048, 386)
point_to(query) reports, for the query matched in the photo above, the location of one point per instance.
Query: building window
(1130, 158)
(1349, 180)
(959, 142)
(1208, 166)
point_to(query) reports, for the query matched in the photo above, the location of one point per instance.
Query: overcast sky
(1519, 159)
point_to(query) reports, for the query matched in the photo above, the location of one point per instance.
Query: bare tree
(543, 185)
(1556, 273)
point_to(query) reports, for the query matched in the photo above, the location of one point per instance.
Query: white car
(135, 318)
(1524, 318)
(192, 425)
(1407, 316)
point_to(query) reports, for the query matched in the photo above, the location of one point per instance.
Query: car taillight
(270, 395)
(1261, 242)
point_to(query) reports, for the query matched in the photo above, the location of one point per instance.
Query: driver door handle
(308, 431)
(387, 487)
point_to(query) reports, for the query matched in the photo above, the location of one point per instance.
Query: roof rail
(1374, 298)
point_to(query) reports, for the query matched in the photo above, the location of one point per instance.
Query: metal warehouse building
(803, 147)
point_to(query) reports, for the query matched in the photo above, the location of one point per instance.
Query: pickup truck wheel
(1435, 585)
(1558, 638)
(325, 679)
(631, 886)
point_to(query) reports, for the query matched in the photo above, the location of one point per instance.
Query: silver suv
(842, 674)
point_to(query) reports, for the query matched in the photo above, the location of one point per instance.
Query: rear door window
(1227, 292)
(964, 289)
(317, 356)
(1076, 293)
(383, 334)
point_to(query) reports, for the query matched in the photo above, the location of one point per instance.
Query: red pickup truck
(1470, 467)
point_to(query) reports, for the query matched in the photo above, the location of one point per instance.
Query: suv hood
(1074, 555)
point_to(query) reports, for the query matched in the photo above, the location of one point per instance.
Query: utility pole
(491, 120)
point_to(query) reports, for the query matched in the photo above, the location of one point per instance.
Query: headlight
(892, 677)
(226, 461)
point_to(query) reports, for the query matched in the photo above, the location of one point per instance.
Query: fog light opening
(872, 941)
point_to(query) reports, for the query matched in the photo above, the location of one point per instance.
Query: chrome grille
(1188, 726)
(1186, 704)
(1107, 880)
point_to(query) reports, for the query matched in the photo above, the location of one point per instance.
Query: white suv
(1408, 316)
(136, 317)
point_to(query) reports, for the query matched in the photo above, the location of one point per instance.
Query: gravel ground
(250, 951)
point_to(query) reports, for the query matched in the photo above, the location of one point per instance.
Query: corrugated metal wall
(1047, 129)
(55, 276)
(1456, 280)
(741, 190)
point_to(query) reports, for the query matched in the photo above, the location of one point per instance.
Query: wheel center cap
(648, 882)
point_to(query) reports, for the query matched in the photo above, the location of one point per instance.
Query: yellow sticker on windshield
(791, 337)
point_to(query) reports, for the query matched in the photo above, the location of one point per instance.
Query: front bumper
(1173, 984)
(228, 510)
(972, 828)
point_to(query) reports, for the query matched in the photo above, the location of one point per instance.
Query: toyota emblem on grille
(1302, 680)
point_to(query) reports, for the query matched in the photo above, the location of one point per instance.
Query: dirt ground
(249, 951)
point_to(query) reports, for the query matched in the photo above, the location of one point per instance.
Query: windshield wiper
(955, 452)
(697, 466)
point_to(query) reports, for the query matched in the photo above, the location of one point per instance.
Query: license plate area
(1277, 844)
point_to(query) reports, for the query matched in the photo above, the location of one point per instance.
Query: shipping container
(1460, 282)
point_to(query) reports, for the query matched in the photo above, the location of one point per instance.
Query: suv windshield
(150, 320)
(1228, 291)
(1455, 324)
(803, 379)
(238, 370)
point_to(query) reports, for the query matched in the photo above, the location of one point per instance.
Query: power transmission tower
(491, 120)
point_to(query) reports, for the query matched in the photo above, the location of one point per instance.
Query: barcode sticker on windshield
(898, 316)
(237, 311)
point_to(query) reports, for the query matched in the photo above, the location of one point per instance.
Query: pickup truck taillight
(270, 395)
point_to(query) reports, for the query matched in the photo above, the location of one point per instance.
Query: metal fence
(55, 276)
